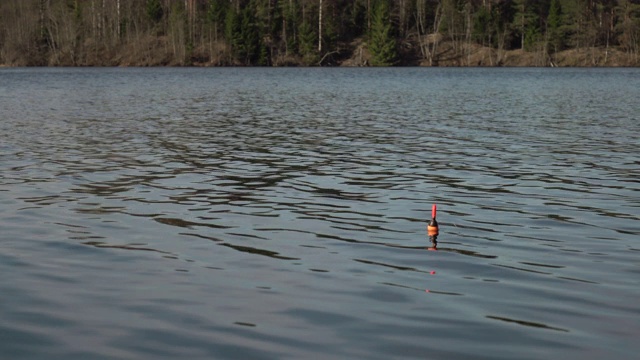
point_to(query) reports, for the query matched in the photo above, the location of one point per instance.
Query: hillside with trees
(320, 32)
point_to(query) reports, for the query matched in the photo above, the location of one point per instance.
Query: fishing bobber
(432, 227)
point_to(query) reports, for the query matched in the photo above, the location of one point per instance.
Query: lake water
(281, 213)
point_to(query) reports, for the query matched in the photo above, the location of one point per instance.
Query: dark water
(281, 213)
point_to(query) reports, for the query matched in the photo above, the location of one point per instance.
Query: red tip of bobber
(433, 211)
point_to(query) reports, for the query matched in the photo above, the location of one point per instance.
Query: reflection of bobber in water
(432, 228)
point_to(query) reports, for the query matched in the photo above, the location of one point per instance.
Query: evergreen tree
(357, 19)
(307, 45)
(554, 26)
(580, 22)
(290, 27)
(482, 29)
(382, 42)
(249, 49)
(330, 29)
(217, 13)
(275, 27)
(154, 10)
(526, 23)
(232, 31)
(268, 24)
(263, 55)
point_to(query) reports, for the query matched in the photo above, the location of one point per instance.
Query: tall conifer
(554, 23)
(382, 43)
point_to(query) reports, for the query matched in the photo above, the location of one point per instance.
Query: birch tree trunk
(320, 27)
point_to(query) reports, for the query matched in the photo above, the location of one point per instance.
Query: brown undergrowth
(147, 50)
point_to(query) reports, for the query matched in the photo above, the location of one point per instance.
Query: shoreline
(358, 56)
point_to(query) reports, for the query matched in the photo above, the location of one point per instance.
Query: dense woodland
(320, 32)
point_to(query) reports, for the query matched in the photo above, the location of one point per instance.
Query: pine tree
(232, 31)
(482, 31)
(382, 43)
(526, 23)
(217, 13)
(356, 19)
(290, 27)
(263, 54)
(554, 26)
(580, 22)
(249, 50)
(154, 10)
(307, 43)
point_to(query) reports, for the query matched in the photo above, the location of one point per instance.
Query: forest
(319, 32)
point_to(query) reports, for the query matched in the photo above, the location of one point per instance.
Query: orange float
(432, 227)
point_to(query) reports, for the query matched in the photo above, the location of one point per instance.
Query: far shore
(444, 54)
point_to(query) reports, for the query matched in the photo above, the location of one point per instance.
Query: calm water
(281, 213)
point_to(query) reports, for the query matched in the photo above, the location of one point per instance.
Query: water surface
(281, 213)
